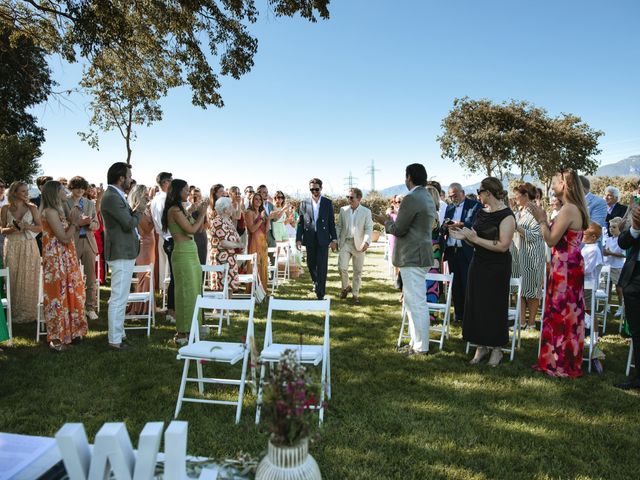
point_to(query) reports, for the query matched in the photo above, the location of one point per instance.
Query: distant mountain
(623, 168)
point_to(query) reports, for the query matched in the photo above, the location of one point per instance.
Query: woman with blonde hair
(20, 223)
(563, 328)
(257, 223)
(64, 291)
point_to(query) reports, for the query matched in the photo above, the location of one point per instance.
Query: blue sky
(374, 82)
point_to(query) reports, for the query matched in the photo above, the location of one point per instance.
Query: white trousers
(163, 265)
(347, 252)
(121, 274)
(414, 289)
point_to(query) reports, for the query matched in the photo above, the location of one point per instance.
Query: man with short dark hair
(317, 231)
(413, 253)
(165, 242)
(354, 230)
(121, 247)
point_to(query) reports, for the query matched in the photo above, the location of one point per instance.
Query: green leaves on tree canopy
(483, 136)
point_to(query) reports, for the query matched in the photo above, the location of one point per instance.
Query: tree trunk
(128, 137)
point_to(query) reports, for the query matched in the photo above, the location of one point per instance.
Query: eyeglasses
(314, 190)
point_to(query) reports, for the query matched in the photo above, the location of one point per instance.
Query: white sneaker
(91, 315)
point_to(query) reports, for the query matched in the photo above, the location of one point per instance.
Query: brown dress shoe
(345, 292)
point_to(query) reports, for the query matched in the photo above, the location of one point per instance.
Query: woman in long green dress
(184, 258)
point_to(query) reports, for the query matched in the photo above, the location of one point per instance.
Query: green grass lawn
(390, 416)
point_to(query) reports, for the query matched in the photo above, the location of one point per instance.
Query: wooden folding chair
(199, 351)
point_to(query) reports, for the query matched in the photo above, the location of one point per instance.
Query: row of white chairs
(200, 351)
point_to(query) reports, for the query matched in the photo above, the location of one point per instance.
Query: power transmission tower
(372, 171)
(349, 181)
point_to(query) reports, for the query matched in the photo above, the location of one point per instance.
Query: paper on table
(18, 452)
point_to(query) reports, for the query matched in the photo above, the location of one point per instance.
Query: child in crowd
(593, 262)
(614, 256)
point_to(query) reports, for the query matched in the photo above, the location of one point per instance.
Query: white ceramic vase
(288, 463)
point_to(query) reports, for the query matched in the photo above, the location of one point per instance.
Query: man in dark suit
(317, 232)
(460, 213)
(630, 283)
(614, 209)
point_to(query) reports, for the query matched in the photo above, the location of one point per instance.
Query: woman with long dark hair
(184, 258)
(563, 318)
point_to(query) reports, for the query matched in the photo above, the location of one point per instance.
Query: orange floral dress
(64, 291)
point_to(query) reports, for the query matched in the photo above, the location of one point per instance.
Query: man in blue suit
(460, 213)
(596, 205)
(317, 231)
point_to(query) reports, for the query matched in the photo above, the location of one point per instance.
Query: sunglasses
(314, 189)
(481, 191)
(280, 198)
(350, 197)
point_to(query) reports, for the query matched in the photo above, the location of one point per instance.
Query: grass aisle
(390, 416)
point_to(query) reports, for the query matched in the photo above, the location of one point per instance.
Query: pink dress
(563, 327)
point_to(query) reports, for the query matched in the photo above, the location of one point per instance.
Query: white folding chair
(248, 278)
(630, 362)
(209, 271)
(514, 318)
(602, 295)
(590, 286)
(142, 297)
(442, 308)
(230, 353)
(98, 273)
(6, 299)
(41, 326)
(283, 257)
(313, 354)
(272, 269)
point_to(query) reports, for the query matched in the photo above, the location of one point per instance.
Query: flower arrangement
(288, 399)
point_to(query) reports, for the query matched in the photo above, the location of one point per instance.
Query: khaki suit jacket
(362, 230)
(413, 229)
(121, 241)
(89, 210)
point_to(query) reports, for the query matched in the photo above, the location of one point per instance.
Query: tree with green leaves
(26, 81)
(141, 49)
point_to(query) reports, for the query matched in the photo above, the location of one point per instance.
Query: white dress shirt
(316, 210)
(157, 207)
(457, 216)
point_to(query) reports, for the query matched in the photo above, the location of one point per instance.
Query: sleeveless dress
(531, 254)
(486, 306)
(187, 275)
(258, 244)
(563, 327)
(64, 292)
(22, 257)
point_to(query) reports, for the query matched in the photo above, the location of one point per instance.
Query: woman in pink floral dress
(563, 321)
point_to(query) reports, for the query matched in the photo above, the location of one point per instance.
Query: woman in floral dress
(225, 243)
(64, 292)
(563, 319)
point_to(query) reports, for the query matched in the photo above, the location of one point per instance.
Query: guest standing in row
(20, 222)
(614, 208)
(486, 309)
(433, 287)
(200, 237)
(257, 223)
(121, 247)
(562, 342)
(147, 253)
(164, 241)
(84, 239)
(184, 258)
(63, 286)
(530, 250)
(461, 213)
(225, 244)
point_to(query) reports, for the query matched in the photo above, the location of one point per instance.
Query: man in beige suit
(85, 240)
(413, 253)
(354, 236)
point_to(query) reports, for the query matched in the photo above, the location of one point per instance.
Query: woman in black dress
(486, 304)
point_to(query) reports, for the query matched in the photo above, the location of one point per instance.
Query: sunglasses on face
(480, 191)
(350, 197)
(280, 198)
(314, 189)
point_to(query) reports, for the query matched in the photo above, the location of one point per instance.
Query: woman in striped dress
(531, 255)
